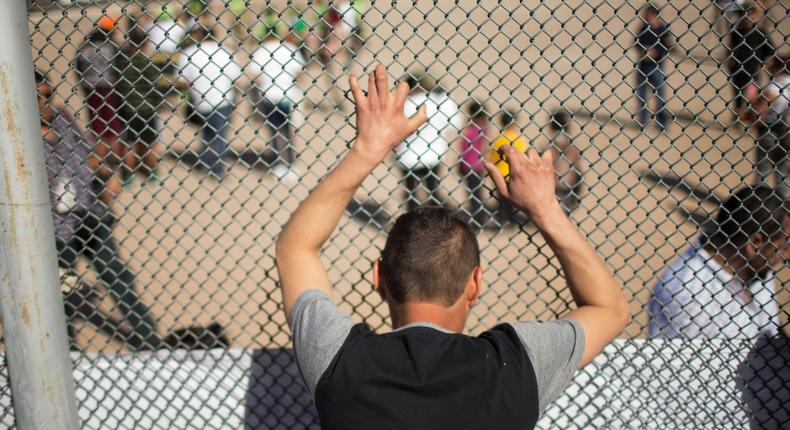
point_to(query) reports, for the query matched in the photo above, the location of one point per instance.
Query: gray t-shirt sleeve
(319, 329)
(555, 349)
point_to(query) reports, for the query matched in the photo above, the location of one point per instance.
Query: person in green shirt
(143, 90)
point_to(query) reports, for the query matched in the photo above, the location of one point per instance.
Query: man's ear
(377, 284)
(474, 285)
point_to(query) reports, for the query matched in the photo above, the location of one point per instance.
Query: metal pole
(42, 383)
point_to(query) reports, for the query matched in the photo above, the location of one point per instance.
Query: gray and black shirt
(423, 376)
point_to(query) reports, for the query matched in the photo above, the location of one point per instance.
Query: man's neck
(408, 313)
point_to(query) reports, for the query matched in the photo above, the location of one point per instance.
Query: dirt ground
(202, 251)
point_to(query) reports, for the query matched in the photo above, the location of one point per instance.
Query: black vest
(422, 378)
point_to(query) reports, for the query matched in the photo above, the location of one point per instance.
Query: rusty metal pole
(34, 322)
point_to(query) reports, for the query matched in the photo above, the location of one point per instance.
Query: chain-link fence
(180, 136)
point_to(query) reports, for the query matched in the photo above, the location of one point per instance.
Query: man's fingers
(533, 155)
(372, 93)
(548, 159)
(382, 82)
(356, 92)
(499, 180)
(418, 118)
(401, 92)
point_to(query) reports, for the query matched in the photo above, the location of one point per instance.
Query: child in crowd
(419, 156)
(567, 160)
(474, 142)
(511, 135)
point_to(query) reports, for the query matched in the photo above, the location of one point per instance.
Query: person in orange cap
(98, 78)
(107, 23)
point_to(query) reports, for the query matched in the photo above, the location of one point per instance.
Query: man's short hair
(751, 210)
(428, 257)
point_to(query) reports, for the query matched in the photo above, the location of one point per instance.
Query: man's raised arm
(602, 310)
(381, 125)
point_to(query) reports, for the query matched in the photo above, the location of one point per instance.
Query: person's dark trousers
(772, 153)
(277, 121)
(650, 76)
(413, 178)
(474, 182)
(94, 240)
(214, 138)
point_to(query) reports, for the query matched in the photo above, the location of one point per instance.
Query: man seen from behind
(427, 374)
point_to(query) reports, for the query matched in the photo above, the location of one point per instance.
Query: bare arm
(381, 125)
(602, 310)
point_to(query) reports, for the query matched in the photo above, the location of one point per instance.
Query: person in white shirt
(275, 68)
(773, 143)
(210, 71)
(165, 33)
(723, 284)
(419, 156)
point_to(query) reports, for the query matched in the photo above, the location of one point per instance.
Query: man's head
(477, 111)
(560, 119)
(44, 90)
(431, 256)
(136, 35)
(753, 225)
(650, 13)
(754, 13)
(508, 118)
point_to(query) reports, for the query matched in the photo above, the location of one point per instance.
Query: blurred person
(750, 47)
(510, 135)
(141, 86)
(83, 225)
(420, 155)
(474, 144)
(653, 43)
(275, 68)
(426, 373)
(341, 35)
(764, 381)
(723, 284)
(773, 143)
(567, 160)
(98, 78)
(166, 30)
(353, 28)
(724, 16)
(210, 72)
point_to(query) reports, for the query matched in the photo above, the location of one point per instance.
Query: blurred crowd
(160, 56)
(132, 69)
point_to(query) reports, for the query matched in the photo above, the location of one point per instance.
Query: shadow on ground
(697, 192)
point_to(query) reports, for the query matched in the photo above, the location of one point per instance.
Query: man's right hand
(381, 123)
(531, 184)
(602, 310)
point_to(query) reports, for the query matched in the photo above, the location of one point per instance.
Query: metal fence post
(33, 317)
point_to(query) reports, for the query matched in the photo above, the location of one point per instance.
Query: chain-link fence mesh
(181, 135)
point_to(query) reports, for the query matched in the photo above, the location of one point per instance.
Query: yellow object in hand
(511, 136)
